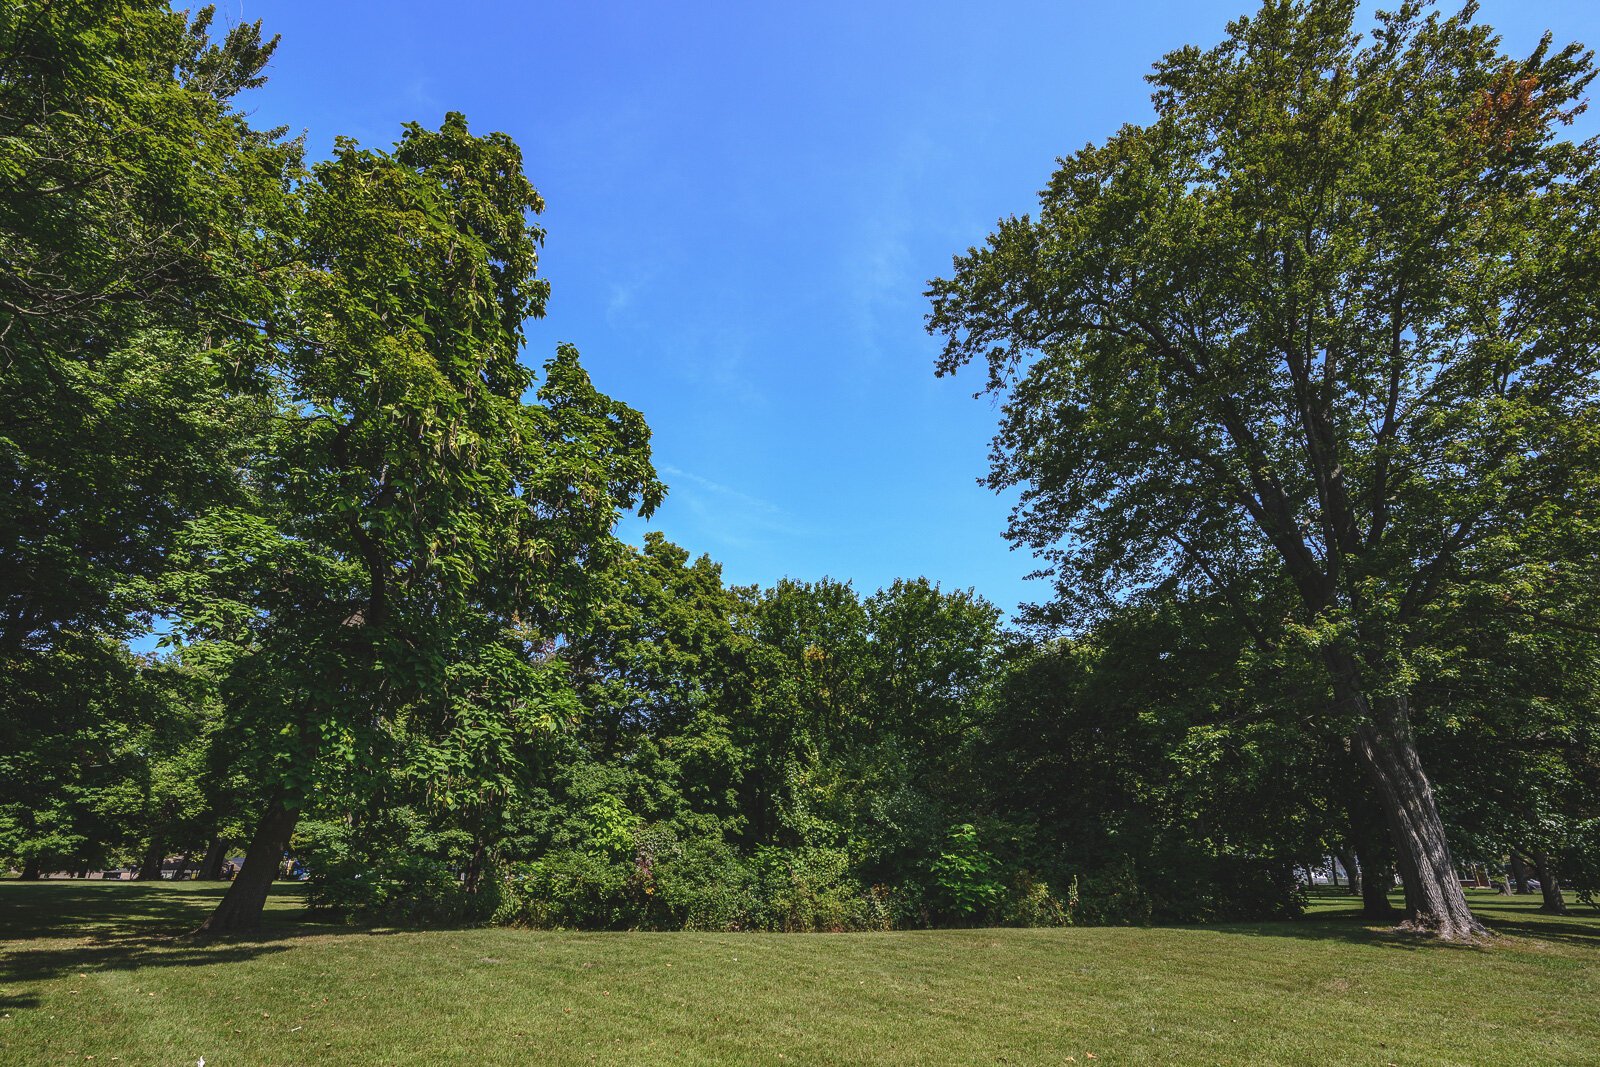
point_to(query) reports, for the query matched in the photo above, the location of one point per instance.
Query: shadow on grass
(117, 910)
(1553, 928)
(1517, 916)
(54, 909)
(1352, 928)
(84, 927)
(60, 928)
(128, 955)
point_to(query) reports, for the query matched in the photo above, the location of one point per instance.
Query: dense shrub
(695, 884)
(1031, 902)
(659, 880)
(568, 889)
(698, 884)
(404, 875)
(705, 884)
(814, 889)
(1186, 887)
(966, 878)
(1113, 896)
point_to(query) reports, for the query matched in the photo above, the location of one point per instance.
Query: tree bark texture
(154, 856)
(1435, 901)
(211, 866)
(1377, 878)
(1549, 886)
(240, 907)
(1519, 872)
(1369, 844)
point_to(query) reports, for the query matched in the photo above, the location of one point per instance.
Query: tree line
(1299, 387)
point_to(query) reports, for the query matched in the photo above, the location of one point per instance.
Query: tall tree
(1335, 307)
(136, 205)
(663, 662)
(421, 536)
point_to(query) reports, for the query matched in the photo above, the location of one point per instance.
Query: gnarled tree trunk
(240, 907)
(1435, 902)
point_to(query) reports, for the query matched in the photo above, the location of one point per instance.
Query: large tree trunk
(183, 866)
(30, 869)
(1377, 878)
(1554, 903)
(154, 857)
(1369, 843)
(1435, 902)
(1519, 872)
(211, 866)
(240, 907)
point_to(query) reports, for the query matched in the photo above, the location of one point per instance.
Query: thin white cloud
(752, 502)
(722, 513)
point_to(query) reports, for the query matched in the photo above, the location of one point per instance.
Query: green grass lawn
(91, 973)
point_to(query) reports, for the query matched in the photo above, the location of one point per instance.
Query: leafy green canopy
(1333, 310)
(1328, 323)
(137, 214)
(420, 535)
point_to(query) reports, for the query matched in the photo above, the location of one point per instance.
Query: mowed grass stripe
(1327, 989)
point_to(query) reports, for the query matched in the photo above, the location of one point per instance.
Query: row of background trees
(1300, 384)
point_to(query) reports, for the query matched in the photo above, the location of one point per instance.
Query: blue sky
(745, 201)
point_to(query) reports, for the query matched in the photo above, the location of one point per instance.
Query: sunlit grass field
(91, 973)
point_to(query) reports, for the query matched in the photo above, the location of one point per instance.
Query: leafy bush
(406, 875)
(1031, 902)
(696, 884)
(814, 889)
(965, 877)
(569, 889)
(1113, 896)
